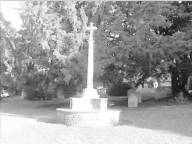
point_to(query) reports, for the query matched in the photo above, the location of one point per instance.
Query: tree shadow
(171, 118)
(161, 117)
(43, 111)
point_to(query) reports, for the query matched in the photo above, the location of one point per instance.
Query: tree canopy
(134, 40)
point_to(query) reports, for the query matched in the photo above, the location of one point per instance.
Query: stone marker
(139, 98)
(60, 93)
(133, 98)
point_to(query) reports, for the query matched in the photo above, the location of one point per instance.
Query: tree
(177, 45)
(141, 39)
(134, 40)
(7, 44)
(52, 35)
(127, 38)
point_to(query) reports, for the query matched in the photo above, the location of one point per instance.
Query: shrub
(8, 83)
(118, 89)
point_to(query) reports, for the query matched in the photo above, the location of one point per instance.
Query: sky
(10, 13)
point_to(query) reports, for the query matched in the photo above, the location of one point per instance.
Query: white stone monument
(90, 109)
(90, 92)
(90, 98)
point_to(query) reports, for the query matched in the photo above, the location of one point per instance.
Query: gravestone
(134, 98)
(60, 93)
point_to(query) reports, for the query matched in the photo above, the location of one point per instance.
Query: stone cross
(90, 69)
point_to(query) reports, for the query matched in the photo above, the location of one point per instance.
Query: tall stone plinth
(88, 104)
(90, 93)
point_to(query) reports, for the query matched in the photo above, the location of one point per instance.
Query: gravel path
(25, 122)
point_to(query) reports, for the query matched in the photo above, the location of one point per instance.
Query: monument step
(85, 118)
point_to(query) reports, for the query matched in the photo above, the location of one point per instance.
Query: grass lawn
(35, 122)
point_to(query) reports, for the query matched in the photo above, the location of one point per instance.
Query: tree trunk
(178, 81)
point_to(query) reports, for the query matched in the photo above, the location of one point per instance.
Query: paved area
(24, 122)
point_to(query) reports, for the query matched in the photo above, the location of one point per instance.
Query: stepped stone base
(88, 112)
(93, 118)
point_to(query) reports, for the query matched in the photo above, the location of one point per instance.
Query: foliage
(142, 39)
(51, 36)
(7, 44)
(134, 40)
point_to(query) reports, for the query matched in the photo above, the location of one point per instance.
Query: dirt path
(30, 122)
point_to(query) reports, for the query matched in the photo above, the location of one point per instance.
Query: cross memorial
(90, 92)
(90, 109)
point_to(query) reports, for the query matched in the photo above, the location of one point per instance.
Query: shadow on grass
(151, 115)
(160, 115)
(43, 111)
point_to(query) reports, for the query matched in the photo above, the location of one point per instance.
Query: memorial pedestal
(94, 118)
(88, 104)
(86, 112)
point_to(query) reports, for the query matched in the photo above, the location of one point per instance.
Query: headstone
(23, 94)
(138, 92)
(133, 100)
(60, 93)
(139, 97)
